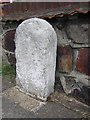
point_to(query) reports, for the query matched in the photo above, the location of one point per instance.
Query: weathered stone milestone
(36, 44)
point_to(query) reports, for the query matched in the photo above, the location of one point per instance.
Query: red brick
(2, 12)
(83, 61)
(26, 7)
(41, 6)
(10, 9)
(6, 11)
(15, 7)
(55, 4)
(20, 8)
(65, 57)
(48, 5)
(74, 3)
(8, 41)
(33, 6)
(64, 3)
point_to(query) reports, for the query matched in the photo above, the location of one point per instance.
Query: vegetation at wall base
(10, 70)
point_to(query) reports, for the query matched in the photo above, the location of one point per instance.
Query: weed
(9, 69)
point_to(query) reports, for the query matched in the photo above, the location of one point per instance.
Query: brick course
(83, 61)
(65, 57)
(23, 10)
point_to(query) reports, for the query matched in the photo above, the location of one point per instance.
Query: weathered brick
(26, 7)
(28, 4)
(64, 3)
(33, 6)
(65, 57)
(2, 12)
(20, 7)
(41, 6)
(74, 3)
(6, 10)
(48, 5)
(8, 41)
(23, 7)
(77, 30)
(20, 11)
(83, 61)
(10, 9)
(16, 7)
(55, 4)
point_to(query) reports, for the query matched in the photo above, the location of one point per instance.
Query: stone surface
(77, 30)
(65, 59)
(69, 84)
(36, 44)
(8, 41)
(75, 84)
(24, 100)
(62, 38)
(83, 61)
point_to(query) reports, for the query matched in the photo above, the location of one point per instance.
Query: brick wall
(24, 10)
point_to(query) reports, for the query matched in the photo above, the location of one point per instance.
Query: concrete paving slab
(71, 103)
(24, 100)
(12, 110)
(16, 104)
(56, 110)
(49, 110)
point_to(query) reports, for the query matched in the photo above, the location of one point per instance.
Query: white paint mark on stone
(36, 44)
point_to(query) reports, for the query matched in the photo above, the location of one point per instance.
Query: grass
(9, 69)
(0, 67)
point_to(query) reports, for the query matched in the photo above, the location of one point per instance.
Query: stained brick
(74, 3)
(33, 6)
(16, 7)
(41, 6)
(65, 57)
(48, 5)
(22, 7)
(83, 61)
(6, 10)
(64, 3)
(26, 7)
(20, 10)
(55, 4)
(2, 12)
(8, 41)
(11, 10)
